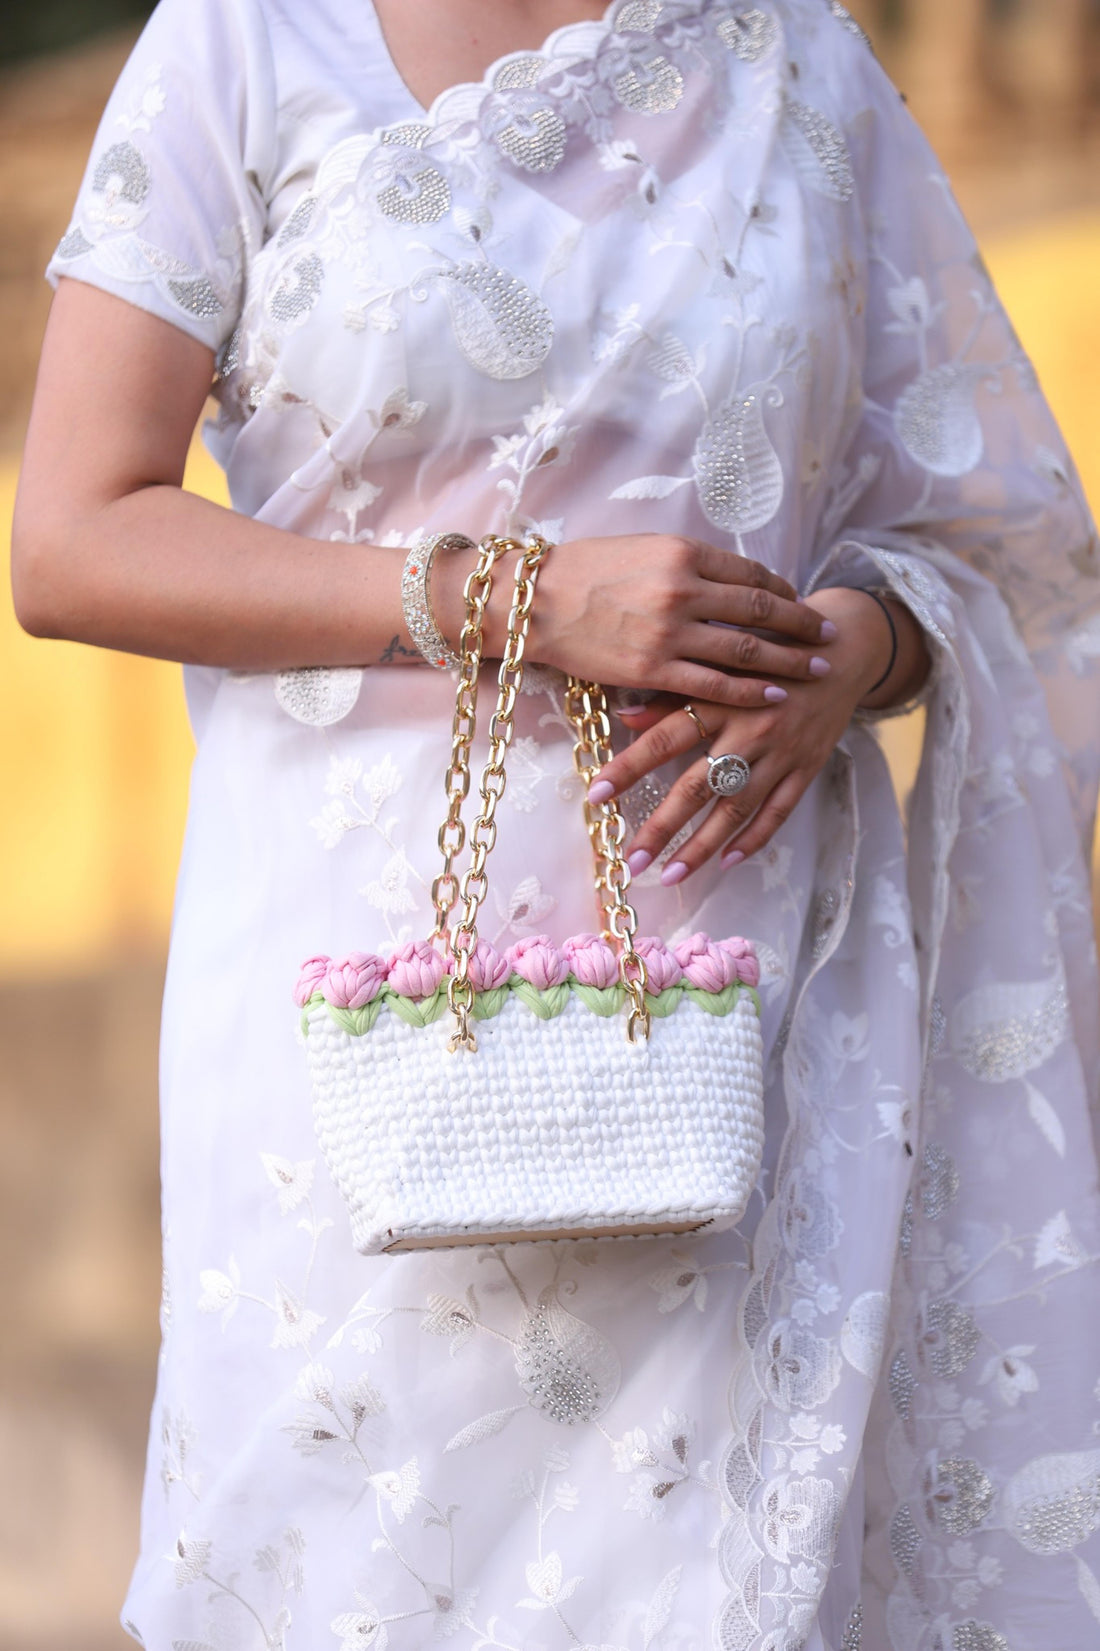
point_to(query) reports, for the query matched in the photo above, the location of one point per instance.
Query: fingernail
(630, 711)
(775, 696)
(829, 632)
(674, 873)
(819, 666)
(639, 861)
(599, 791)
(733, 858)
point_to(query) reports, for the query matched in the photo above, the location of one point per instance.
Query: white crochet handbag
(611, 1087)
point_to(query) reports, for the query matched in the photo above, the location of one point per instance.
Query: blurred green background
(53, 25)
(94, 756)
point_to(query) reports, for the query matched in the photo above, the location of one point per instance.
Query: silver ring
(728, 775)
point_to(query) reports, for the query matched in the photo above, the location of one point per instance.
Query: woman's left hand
(786, 745)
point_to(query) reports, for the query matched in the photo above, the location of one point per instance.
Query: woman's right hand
(652, 611)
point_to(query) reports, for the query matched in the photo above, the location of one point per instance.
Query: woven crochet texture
(549, 1125)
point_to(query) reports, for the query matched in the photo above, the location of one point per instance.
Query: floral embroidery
(797, 354)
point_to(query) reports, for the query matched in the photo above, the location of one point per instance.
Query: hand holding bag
(464, 1098)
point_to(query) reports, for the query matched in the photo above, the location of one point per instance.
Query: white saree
(692, 270)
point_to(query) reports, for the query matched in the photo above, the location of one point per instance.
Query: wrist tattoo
(397, 650)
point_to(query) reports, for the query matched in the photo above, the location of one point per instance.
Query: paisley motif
(502, 328)
(296, 288)
(737, 470)
(938, 422)
(568, 1370)
(534, 141)
(1053, 1504)
(818, 152)
(653, 88)
(748, 34)
(1004, 1031)
(318, 696)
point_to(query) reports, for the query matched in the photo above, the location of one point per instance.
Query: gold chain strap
(586, 708)
(456, 781)
(475, 883)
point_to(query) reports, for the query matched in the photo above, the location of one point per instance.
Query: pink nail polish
(829, 632)
(639, 861)
(674, 873)
(599, 791)
(819, 666)
(733, 858)
(775, 696)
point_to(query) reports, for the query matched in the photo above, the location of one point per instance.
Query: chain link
(456, 780)
(586, 708)
(475, 883)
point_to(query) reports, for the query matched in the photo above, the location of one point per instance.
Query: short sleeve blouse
(216, 124)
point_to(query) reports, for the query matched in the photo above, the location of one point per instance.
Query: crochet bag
(611, 1088)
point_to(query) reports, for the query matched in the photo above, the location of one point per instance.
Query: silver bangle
(416, 599)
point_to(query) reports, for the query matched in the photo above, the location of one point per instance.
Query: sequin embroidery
(905, 1540)
(653, 88)
(950, 1337)
(198, 297)
(749, 35)
(977, 1636)
(960, 1496)
(122, 172)
(853, 1633)
(818, 151)
(501, 327)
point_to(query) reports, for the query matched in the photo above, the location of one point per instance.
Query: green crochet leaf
(489, 1004)
(356, 1021)
(603, 1001)
(715, 1003)
(412, 1013)
(546, 1005)
(666, 1002)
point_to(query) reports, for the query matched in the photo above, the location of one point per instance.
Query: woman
(678, 286)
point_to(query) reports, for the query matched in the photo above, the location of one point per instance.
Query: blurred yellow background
(95, 750)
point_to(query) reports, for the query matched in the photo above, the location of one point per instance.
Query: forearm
(165, 573)
(108, 549)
